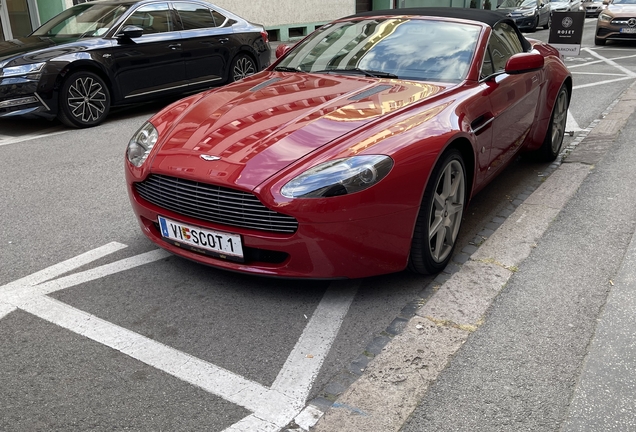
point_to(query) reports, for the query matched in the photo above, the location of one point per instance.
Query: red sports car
(356, 153)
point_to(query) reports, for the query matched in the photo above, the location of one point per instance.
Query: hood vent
(365, 94)
(264, 84)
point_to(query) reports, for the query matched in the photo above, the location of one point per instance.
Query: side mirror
(130, 32)
(524, 62)
(281, 50)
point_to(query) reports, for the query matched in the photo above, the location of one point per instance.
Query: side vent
(264, 84)
(365, 94)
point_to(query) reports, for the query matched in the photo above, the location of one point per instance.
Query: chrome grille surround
(212, 203)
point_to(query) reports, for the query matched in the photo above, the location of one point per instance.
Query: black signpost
(566, 32)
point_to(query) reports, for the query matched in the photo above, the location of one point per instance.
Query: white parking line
(272, 408)
(6, 140)
(6, 309)
(610, 62)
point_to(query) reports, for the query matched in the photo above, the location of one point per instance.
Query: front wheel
(440, 215)
(242, 66)
(84, 100)
(553, 141)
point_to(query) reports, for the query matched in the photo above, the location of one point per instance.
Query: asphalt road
(126, 337)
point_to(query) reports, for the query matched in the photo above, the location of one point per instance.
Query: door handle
(174, 46)
(223, 40)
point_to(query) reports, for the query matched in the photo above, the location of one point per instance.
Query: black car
(106, 53)
(527, 14)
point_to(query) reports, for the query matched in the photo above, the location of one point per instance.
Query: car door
(513, 98)
(152, 63)
(206, 43)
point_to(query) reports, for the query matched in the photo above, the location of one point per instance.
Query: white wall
(283, 12)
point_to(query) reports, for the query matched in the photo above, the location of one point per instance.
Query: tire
(242, 66)
(535, 25)
(553, 140)
(84, 100)
(599, 41)
(440, 215)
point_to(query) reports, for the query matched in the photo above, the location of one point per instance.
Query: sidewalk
(536, 331)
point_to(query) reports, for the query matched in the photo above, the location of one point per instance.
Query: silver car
(593, 8)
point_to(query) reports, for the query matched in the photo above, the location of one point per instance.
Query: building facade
(284, 19)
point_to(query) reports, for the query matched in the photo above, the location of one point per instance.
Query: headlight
(529, 12)
(339, 177)
(141, 143)
(604, 17)
(21, 70)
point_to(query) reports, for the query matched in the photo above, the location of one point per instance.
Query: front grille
(212, 203)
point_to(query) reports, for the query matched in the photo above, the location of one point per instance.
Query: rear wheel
(84, 100)
(440, 215)
(242, 66)
(553, 141)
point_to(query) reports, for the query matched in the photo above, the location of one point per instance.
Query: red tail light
(265, 36)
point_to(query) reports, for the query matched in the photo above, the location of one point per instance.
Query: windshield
(404, 48)
(83, 20)
(518, 3)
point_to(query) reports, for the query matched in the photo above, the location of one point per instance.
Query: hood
(618, 9)
(35, 48)
(259, 126)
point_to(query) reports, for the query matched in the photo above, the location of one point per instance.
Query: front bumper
(322, 250)
(616, 31)
(525, 22)
(25, 95)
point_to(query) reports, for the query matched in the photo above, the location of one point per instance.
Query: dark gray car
(527, 14)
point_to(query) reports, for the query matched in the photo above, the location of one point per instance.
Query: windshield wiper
(286, 69)
(369, 73)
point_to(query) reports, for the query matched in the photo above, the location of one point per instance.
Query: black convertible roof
(488, 17)
(485, 16)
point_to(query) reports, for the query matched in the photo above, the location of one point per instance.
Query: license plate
(209, 242)
(628, 30)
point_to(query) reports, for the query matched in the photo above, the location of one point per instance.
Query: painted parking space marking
(272, 408)
(6, 139)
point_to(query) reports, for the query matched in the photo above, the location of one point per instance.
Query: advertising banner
(566, 32)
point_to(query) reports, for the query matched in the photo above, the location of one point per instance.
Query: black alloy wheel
(84, 100)
(553, 141)
(242, 66)
(440, 216)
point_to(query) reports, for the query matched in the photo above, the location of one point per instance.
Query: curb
(385, 383)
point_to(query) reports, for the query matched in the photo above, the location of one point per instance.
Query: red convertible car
(354, 154)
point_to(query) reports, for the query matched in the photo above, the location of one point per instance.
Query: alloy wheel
(86, 99)
(243, 67)
(559, 120)
(446, 211)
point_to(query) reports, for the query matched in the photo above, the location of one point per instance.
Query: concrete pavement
(535, 330)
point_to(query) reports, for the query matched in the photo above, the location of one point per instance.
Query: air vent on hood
(264, 84)
(365, 94)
